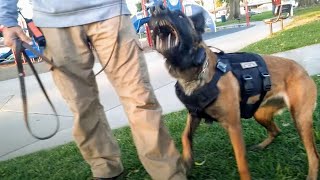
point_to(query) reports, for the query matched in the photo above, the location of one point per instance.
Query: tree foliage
(307, 3)
(139, 6)
(218, 3)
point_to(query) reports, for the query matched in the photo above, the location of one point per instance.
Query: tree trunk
(234, 9)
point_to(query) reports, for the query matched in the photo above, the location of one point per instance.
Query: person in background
(275, 6)
(69, 27)
(1, 29)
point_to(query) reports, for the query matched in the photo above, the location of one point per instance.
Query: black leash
(115, 43)
(18, 52)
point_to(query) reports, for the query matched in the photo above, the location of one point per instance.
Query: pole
(182, 8)
(247, 13)
(145, 13)
(214, 10)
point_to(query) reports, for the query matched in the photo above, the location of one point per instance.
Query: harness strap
(248, 83)
(213, 84)
(266, 83)
(199, 111)
(203, 97)
(266, 79)
(18, 52)
(265, 74)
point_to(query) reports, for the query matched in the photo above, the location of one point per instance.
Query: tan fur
(190, 86)
(291, 88)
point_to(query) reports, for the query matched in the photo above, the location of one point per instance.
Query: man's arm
(8, 13)
(8, 18)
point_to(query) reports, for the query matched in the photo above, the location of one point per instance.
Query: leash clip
(222, 66)
(204, 69)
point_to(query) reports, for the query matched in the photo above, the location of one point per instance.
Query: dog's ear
(198, 22)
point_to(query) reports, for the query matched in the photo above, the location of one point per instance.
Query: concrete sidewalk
(16, 141)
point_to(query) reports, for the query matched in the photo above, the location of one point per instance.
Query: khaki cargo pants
(127, 71)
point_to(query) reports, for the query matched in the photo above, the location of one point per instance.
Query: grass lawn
(256, 17)
(285, 159)
(268, 14)
(304, 30)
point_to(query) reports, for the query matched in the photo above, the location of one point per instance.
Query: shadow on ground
(10, 71)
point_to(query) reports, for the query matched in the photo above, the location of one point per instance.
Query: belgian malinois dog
(179, 39)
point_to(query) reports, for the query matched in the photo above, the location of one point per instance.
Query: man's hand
(11, 33)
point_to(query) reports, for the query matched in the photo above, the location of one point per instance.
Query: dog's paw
(188, 163)
(255, 147)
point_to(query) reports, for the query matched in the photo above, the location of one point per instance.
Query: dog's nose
(152, 9)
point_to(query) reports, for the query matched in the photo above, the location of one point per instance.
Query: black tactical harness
(251, 73)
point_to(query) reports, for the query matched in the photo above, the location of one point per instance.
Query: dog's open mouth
(165, 36)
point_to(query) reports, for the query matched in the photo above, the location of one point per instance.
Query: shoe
(119, 177)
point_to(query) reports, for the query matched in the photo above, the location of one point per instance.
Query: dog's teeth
(172, 42)
(164, 45)
(176, 43)
(169, 41)
(157, 42)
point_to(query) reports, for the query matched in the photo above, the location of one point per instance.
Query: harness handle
(18, 52)
(220, 51)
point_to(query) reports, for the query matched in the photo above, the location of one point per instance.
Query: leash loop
(18, 52)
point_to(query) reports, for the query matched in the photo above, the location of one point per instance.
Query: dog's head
(178, 37)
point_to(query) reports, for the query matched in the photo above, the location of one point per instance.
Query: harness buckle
(247, 77)
(266, 81)
(248, 84)
(222, 66)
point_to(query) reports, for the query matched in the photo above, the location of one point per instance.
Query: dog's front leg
(233, 126)
(191, 125)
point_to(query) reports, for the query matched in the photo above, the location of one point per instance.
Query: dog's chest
(251, 73)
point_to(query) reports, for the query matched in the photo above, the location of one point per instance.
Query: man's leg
(127, 71)
(68, 49)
